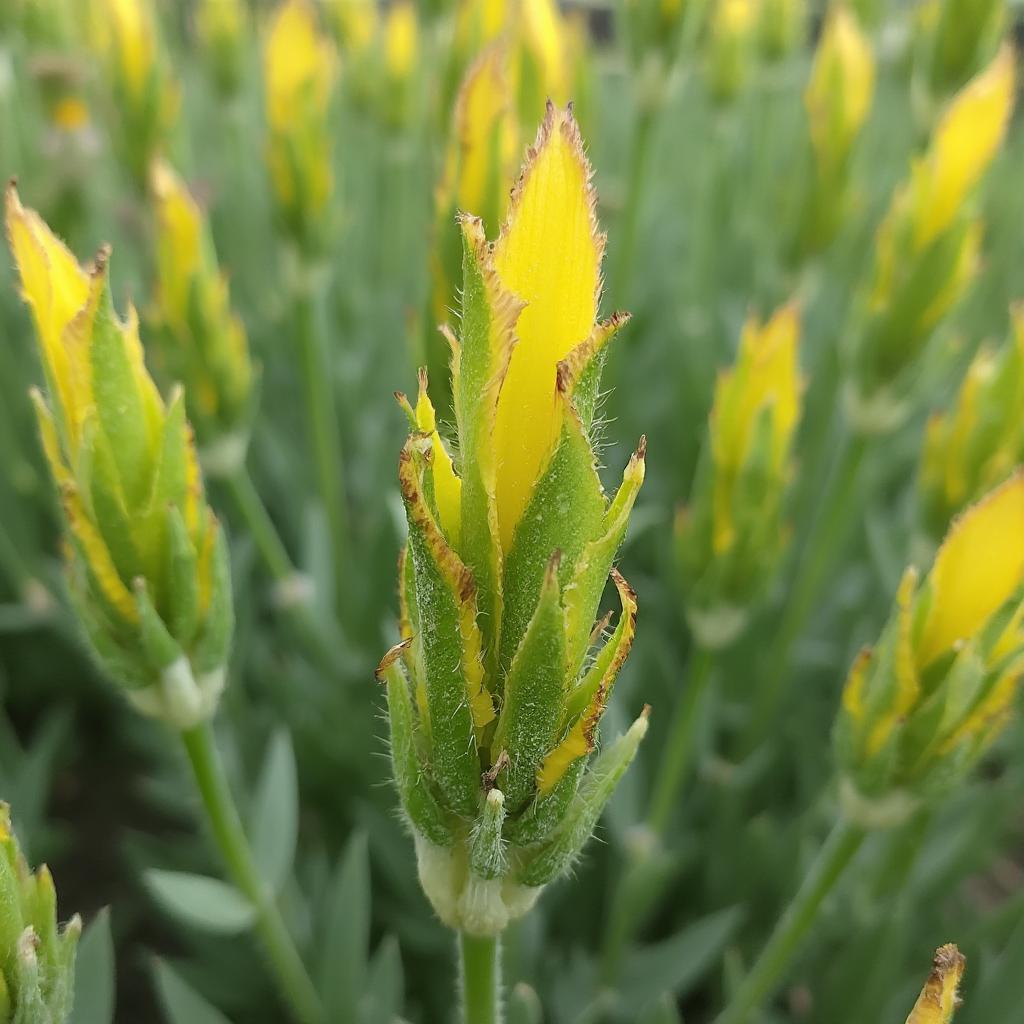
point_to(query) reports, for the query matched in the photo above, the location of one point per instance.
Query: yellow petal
(56, 289)
(839, 92)
(179, 241)
(966, 140)
(299, 66)
(401, 39)
(978, 568)
(938, 999)
(549, 255)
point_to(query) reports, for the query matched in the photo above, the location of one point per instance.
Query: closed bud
(731, 50)
(206, 345)
(955, 39)
(927, 251)
(145, 97)
(782, 26)
(921, 707)
(980, 440)
(146, 559)
(401, 61)
(940, 997)
(838, 98)
(731, 537)
(299, 69)
(355, 24)
(223, 27)
(497, 692)
(37, 957)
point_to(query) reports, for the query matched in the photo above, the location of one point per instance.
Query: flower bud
(300, 66)
(223, 32)
(921, 707)
(957, 38)
(401, 59)
(207, 348)
(354, 23)
(497, 691)
(927, 250)
(145, 99)
(731, 54)
(977, 443)
(940, 997)
(782, 26)
(146, 560)
(37, 958)
(837, 98)
(731, 537)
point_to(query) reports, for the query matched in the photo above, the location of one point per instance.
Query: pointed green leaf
(200, 902)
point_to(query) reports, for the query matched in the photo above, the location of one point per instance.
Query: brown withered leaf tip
(490, 776)
(390, 658)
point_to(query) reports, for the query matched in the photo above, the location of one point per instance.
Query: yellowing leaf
(549, 255)
(978, 568)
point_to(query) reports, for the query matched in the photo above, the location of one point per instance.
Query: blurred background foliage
(697, 130)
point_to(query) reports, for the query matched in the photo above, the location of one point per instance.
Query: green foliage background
(95, 789)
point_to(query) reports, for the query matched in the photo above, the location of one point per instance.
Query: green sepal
(601, 675)
(439, 589)
(160, 647)
(213, 644)
(534, 691)
(118, 656)
(101, 489)
(411, 777)
(555, 856)
(579, 373)
(487, 857)
(564, 514)
(583, 594)
(120, 403)
(544, 814)
(182, 580)
(479, 364)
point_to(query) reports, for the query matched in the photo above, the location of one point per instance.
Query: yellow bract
(938, 1000)
(56, 290)
(842, 81)
(544, 37)
(447, 486)
(179, 240)
(548, 255)
(965, 142)
(484, 137)
(401, 40)
(299, 65)
(978, 568)
(133, 41)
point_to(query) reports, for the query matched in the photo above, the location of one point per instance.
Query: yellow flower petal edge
(549, 255)
(978, 568)
(939, 998)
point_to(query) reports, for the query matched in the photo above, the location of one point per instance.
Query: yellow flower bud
(223, 29)
(965, 142)
(731, 536)
(838, 95)
(940, 998)
(975, 445)
(401, 40)
(931, 698)
(782, 25)
(549, 256)
(208, 350)
(147, 564)
(146, 100)
(733, 30)
(300, 66)
(354, 23)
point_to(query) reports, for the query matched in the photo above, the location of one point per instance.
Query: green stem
(770, 967)
(813, 566)
(229, 836)
(261, 527)
(680, 746)
(318, 381)
(481, 979)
